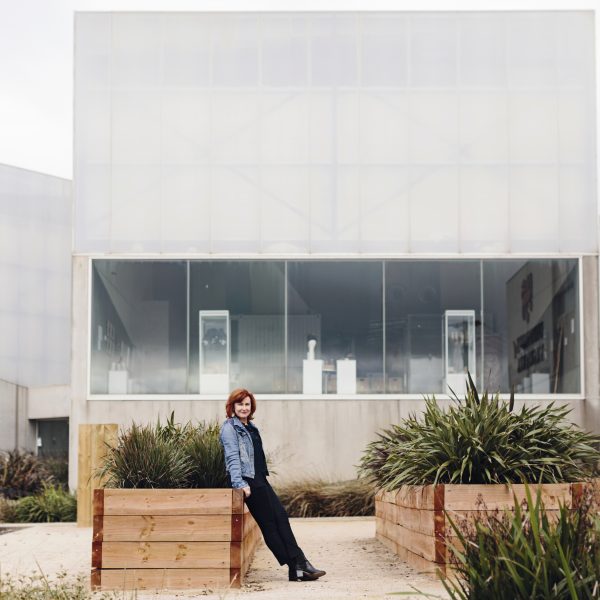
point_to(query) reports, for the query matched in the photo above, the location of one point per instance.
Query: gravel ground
(357, 565)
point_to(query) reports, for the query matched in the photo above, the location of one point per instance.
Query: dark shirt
(260, 462)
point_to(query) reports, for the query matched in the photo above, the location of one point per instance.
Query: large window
(339, 327)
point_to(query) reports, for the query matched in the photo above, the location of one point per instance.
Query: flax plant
(524, 554)
(481, 440)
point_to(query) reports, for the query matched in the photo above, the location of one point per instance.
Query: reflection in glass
(460, 349)
(338, 304)
(138, 340)
(214, 351)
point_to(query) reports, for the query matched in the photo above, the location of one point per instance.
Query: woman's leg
(267, 513)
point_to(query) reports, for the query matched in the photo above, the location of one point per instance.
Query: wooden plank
(416, 496)
(236, 578)
(96, 555)
(235, 555)
(423, 545)
(166, 579)
(168, 528)
(96, 579)
(420, 564)
(168, 502)
(492, 497)
(165, 555)
(237, 501)
(84, 485)
(236, 528)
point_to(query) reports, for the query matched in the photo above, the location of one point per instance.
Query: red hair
(237, 396)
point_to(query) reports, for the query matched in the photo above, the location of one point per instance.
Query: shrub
(58, 468)
(481, 440)
(206, 455)
(318, 498)
(524, 554)
(166, 456)
(21, 474)
(52, 505)
(145, 457)
(7, 510)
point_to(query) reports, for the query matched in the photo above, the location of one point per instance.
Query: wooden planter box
(413, 521)
(171, 539)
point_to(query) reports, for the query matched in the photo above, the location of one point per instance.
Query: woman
(247, 469)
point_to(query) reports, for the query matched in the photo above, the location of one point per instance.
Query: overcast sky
(36, 61)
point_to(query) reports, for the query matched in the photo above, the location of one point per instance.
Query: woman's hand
(247, 491)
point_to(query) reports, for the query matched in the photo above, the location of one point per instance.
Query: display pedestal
(117, 382)
(214, 383)
(312, 376)
(346, 376)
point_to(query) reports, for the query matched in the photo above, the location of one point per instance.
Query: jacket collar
(237, 422)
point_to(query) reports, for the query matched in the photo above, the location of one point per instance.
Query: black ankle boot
(302, 570)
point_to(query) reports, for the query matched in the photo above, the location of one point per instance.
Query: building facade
(342, 212)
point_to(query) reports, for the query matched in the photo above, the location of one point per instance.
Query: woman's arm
(231, 447)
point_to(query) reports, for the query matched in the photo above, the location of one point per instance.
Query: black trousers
(271, 517)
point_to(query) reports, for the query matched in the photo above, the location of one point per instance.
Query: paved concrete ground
(357, 565)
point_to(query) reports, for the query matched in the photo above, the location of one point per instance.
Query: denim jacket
(239, 451)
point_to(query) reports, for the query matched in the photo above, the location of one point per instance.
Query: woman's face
(242, 409)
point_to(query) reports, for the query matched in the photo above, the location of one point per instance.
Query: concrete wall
(322, 437)
(16, 431)
(50, 402)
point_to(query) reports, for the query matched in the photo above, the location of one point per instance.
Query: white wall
(335, 132)
(35, 278)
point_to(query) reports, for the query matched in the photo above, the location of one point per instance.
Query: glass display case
(459, 351)
(215, 351)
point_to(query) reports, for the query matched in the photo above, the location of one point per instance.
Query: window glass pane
(531, 326)
(238, 308)
(335, 310)
(138, 337)
(424, 300)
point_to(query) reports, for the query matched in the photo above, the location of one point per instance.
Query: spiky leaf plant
(481, 440)
(22, 474)
(524, 554)
(145, 458)
(206, 454)
(52, 504)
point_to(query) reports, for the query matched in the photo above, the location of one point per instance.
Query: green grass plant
(170, 455)
(481, 440)
(314, 497)
(52, 504)
(525, 554)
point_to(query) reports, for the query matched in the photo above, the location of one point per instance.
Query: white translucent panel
(136, 209)
(234, 217)
(334, 210)
(577, 226)
(93, 208)
(483, 127)
(285, 209)
(136, 50)
(434, 209)
(321, 138)
(347, 126)
(484, 209)
(533, 127)
(35, 260)
(384, 128)
(92, 50)
(384, 51)
(186, 58)
(532, 49)
(385, 214)
(482, 53)
(433, 58)
(284, 51)
(284, 128)
(576, 137)
(576, 49)
(433, 136)
(333, 51)
(533, 209)
(186, 127)
(234, 123)
(93, 126)
(235, 51)
(136, 127)
(186, 208)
